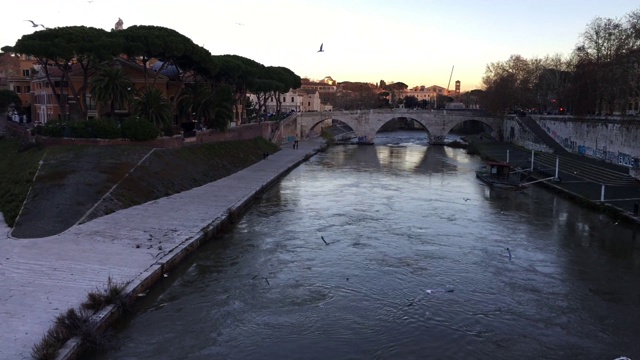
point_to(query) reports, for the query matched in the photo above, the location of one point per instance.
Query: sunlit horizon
(409, 41)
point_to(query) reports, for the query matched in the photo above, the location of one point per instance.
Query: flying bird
(34, 24)
(321, 48)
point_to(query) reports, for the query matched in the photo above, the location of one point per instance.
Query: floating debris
(439, 291)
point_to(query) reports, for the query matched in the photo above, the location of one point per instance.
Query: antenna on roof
(450, 79)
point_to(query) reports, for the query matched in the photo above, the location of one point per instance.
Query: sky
(417, 42)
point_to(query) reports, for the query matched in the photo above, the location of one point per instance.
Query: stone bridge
(366, 123)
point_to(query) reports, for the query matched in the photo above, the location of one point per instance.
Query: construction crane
(450, 79)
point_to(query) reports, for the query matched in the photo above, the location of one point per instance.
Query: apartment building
(298, 100)
(16, 73)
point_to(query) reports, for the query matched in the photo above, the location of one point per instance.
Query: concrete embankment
(42, 278)
(581, 179)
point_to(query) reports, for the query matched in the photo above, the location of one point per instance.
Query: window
(292, 99)
(27, 89)
(91, 105)
(309, 103)
(25, 72)
(284, 99)
(17, 89)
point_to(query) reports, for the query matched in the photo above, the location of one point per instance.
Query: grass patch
(112, 294)
(18, 166)
(78, 323)
(169, 171)
(67, 325)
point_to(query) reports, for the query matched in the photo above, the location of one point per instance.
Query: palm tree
(111, 85)
(211, 106)
(153, 106)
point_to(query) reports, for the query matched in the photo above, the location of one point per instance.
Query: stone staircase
(542, 135)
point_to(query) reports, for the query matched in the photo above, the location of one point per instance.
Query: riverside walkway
(42, 278)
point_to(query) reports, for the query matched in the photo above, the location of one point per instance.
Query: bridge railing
(465, 112)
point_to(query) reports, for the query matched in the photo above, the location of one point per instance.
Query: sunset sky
(413, 41)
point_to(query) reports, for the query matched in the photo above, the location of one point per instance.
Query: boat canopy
(499, 169)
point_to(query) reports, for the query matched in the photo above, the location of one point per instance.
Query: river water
(416, 267)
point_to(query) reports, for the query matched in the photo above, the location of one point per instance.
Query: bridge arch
(408, 118)
(490, 124)
(366, 123)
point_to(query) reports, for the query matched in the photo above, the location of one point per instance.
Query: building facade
(298, 100)
(16, 74)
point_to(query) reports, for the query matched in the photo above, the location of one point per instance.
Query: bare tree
(604, 44)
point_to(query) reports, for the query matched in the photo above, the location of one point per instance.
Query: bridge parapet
(366, 123)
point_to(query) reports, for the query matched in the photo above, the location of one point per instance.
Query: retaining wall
(611, 139)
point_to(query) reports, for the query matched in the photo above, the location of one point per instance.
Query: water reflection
(397, 227)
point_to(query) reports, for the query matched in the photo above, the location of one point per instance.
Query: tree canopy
(600, 76)
(69, 49)
(8, 98)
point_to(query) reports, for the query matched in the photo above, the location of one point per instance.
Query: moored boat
(500, 175)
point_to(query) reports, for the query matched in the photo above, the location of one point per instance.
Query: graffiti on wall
(566, 142)
(615, 157)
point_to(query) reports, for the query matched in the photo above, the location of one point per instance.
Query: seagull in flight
(34, 24)
(321, 48)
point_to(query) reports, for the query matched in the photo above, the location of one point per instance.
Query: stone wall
(518, 134)
(242, 132)
(615, 140)
(14, 130)
(163, 142)
(289, 130)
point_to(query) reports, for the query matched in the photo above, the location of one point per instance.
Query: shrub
(113, 293)
(106, 129)
(97, 129)
(139, 129)
(54, 128)
(168, 131)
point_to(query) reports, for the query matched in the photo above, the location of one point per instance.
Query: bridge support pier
(437, 140)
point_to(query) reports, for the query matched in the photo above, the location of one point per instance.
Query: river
(416, 267)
